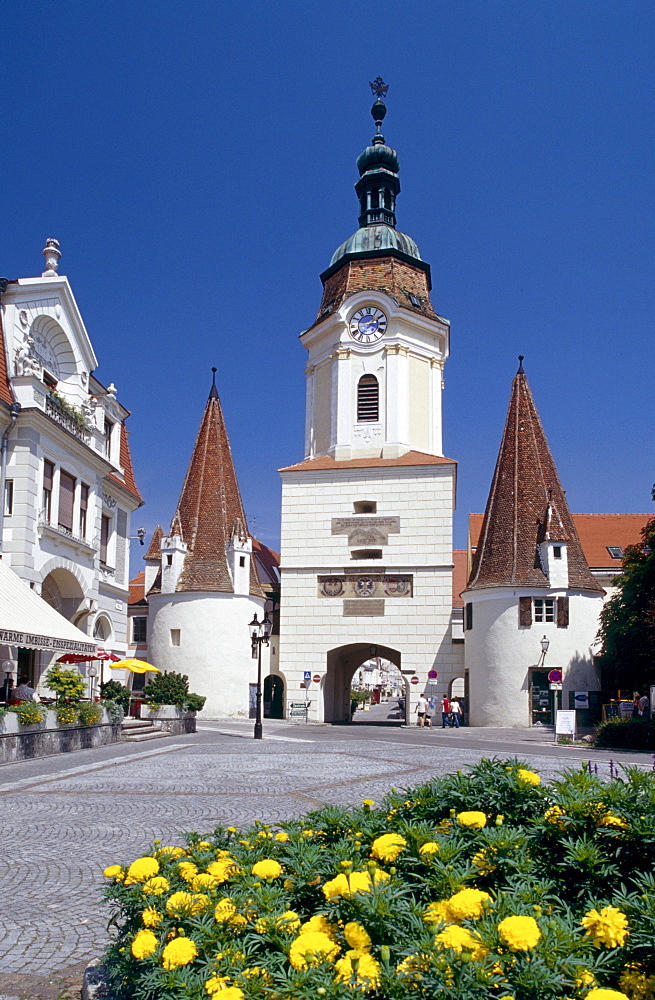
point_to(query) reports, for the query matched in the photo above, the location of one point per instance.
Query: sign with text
(565, 722)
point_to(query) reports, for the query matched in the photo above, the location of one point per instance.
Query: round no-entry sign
(316, 678)
(413, 680)
(555, 676)
(433, 674)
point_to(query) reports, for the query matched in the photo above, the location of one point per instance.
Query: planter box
(46, 738)
(171, 718)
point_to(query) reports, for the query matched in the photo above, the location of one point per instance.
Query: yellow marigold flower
(368, 969)
(602, 994)
(460, 939)
(232, 993)
(268, 868)
(281, 836)
(437, 912)
(308, 833)
(608, 927)
(388, 846)
(430, 848)
(187, 870)
(237, 921)
(556, 815)
(142, 869)
(223, 869)
(203, 881)
(288, 921)
(224, 910)
(357, 936)
(203, 844)
(217, 983)
(312, 947)
(613, 821)
(528, 777)
(346, 885)
(145, 943)
(585, 978)
(319, 923)
(156, 886)
(182, 904)
(179, 951)
(412, 965)
(113, 871)
(151, 916)
(473, 819)
(482, 862)
(468, 904)
(231, 829)
(636, 983)
(519, 933)
(170, 852)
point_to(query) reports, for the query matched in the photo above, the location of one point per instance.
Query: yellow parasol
(136, 666)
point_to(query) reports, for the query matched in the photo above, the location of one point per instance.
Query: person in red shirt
(445, 712)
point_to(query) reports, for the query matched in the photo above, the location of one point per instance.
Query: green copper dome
(379, 155)
(378, 237)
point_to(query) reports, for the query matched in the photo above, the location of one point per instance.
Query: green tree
(68, 685)
(627, 621)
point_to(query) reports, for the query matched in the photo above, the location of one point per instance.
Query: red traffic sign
(433, 674)
(555, 676)
(413, 680)
(316, 678)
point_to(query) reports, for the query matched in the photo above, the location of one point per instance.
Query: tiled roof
(137, 588)
(384, 274)
(128, 482)
(460, 573)
(6, 395)
(267, 562)
(525, 493)
(210, 508)
(154, 549)
(324, 462)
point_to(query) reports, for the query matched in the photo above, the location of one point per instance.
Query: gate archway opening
(342, 662)
(273, 697)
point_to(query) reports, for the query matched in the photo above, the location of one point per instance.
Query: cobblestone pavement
(65, 818)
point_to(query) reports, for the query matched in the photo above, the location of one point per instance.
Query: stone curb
(95, 985)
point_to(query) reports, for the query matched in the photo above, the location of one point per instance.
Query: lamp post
(544, 649)
(91, 673)
(259, 633)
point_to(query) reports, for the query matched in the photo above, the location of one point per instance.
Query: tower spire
(378, 185)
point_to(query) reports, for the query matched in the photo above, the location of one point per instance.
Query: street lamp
(259, 633)
(544, 649)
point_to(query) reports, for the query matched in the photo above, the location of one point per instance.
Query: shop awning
(26, 620)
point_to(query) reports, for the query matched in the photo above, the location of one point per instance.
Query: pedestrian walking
(455, 712)
(421, 708)
(644, 707)
(445, 712)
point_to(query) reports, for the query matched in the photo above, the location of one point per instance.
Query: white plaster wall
(417, 627)
(214, 648)
(499, 653)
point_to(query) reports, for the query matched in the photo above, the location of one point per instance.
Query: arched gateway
(342, 663)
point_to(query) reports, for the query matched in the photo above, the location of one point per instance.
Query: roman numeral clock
(368, 325)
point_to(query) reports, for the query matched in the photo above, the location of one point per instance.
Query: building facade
(69, 486)
(366, 552)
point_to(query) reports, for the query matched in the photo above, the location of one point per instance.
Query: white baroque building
(366, 553)
(69, 487)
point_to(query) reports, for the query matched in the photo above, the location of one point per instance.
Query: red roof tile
(210, 508)
(137, 588)
(525, 500)
(460, 574)
(154, 549)
(6, 394)
(325, 463)
(397, 278)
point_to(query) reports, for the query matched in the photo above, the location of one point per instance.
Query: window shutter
(66, 500)
(368, 398)
(562, 612)
(48, 473)
(104, 538)
(469, 617)
(525, 611)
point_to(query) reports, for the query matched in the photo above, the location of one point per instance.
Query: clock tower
(367, 515)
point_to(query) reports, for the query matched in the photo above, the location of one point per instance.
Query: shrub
(28, 712)
(67, 713)
(90, 715)
(170, 688)
(115, 691)
(635, 734)
(472, 886)
(65, 683)
(114, 710)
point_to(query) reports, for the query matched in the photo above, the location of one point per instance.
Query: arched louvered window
(368, 398)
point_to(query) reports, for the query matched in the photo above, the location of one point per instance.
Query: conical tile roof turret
(209, 506)
(526, 506)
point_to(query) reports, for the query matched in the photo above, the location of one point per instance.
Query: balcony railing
(66, 419)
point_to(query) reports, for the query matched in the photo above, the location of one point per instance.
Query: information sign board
(565, 722)
(307, 677)
(581, 699)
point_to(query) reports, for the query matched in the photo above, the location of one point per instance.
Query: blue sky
(196, 161)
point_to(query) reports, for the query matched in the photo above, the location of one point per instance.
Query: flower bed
(477, 885)
(31, 730)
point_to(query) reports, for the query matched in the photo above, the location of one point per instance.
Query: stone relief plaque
(371, 609)
(365, 530)
(366, 586)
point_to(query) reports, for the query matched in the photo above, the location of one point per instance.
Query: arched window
(368, 398)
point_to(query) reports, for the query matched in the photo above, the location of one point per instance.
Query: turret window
(368, 398)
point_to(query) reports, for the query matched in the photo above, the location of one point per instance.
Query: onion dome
(368, 239)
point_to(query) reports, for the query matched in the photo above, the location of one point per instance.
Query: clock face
(368, 325)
